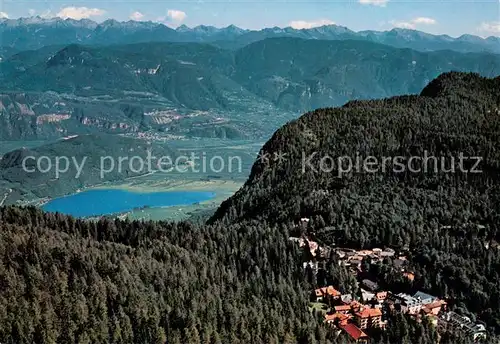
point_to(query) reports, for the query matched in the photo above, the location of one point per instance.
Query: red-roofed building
(343, 309)
(410, 276)
(331, 318)
(434, 308)
(355, 333)
(356, 306)
(327, 292)
(368, 317)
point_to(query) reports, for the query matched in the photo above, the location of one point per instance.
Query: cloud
(80, 12)
(490, 27)
(176, 15)
(173, 18)
(137, 16)
(380, 3)
(302, 24)
(424, 20)
(4, 15)
(412, 24)
(31, 12)
(402, 24)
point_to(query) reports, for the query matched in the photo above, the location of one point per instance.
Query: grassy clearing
(318, 306)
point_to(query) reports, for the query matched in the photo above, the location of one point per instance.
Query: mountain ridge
(36, 32)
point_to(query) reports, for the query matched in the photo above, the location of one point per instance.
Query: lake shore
(222, 189)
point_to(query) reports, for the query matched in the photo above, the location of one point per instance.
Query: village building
(346, 298)
(388, 252)
(313, 246)
(367, 296)
(355, 333)
(369, 285)
(313, 265)
(344, 309)
(335, 318)
(407, 303)
(327, 293)
(455, 322)
(425, 298)
(368, 318)
(410, 304)
(434, 308)
(381, 296)
(356, 306)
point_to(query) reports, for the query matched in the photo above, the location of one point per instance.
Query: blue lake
(105, 202)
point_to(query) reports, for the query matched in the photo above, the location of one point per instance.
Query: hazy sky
(453, 17)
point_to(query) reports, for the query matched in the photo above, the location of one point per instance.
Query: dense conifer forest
(239, 279)
(70, 281)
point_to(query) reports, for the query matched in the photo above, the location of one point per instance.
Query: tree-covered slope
(70, 281)
(449, 220)
(303, 74)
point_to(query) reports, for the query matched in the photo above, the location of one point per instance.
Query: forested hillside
(69, 281)
(450, 221)
(457, 112)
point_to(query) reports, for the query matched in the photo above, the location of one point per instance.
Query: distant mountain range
(35, 32)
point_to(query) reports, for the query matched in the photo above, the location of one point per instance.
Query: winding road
(5, 197)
